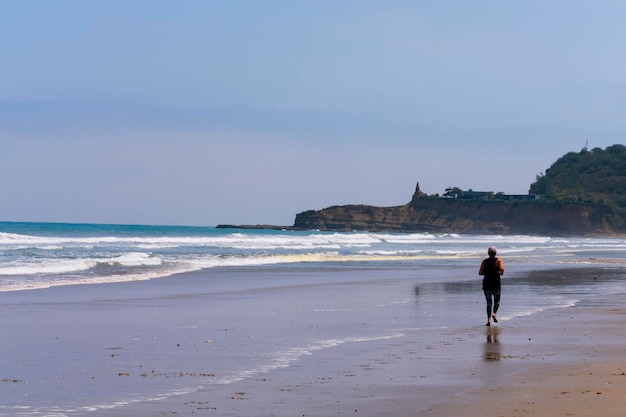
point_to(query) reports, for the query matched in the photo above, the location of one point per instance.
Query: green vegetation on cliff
(591, 176)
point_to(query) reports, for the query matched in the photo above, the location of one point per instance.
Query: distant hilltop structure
(455, 192)
(458, 193)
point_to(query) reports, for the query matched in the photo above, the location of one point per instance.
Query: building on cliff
(455, 192)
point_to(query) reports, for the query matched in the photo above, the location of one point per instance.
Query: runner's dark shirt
(491, 278)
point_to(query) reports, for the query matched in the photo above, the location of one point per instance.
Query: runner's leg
(488, 297)
(496, 300)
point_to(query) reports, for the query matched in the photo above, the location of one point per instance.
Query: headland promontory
(582, 194)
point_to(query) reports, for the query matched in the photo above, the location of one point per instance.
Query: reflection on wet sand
(492, 349)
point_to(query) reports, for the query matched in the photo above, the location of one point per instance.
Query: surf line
(285, 358)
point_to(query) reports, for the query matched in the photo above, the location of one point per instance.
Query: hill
(592, 177)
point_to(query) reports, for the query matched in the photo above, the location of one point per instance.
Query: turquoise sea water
(39, 255)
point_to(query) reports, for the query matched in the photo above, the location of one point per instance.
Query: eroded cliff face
(440, 215)
(452, 216)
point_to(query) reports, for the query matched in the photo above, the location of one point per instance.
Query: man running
(491, 269)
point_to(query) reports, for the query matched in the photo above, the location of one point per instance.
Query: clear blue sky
(206, 112)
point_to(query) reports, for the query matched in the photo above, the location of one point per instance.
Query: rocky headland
(450, 215)
(581, 194)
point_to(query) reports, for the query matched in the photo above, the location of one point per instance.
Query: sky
(206, 112)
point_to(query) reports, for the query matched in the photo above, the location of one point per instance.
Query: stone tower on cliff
(418, 193)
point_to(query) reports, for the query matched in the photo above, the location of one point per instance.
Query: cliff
(581, 194)
(448, 215)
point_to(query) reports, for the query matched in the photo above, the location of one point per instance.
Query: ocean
(107, 318)
(40, 255)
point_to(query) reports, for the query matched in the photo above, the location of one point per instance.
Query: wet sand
(579, 369)
(572, 363)
(158, 336)
(568, 362)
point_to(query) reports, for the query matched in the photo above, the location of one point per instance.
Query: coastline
(161, 339)
(423, 228)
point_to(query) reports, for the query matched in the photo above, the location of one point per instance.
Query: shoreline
(163, 341)
(424, 229)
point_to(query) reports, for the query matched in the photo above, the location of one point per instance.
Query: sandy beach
(571, 363)
(576, 368)
(195, 345)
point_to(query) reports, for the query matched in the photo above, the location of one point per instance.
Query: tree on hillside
(595, 176)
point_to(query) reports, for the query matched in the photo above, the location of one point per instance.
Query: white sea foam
(529, 311)
(84, 258)
(80, 410)
(48, 266)
(133, 259)
(61, 266)
(305, 241)
(139, 399)
(285, 358)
